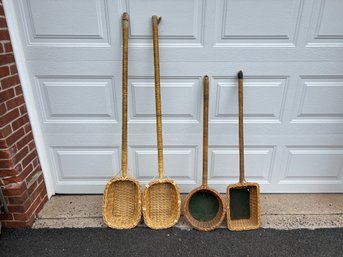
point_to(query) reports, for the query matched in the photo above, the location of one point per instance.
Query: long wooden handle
(205, 134)
(125, 28)
(155, 21)
(240, 128)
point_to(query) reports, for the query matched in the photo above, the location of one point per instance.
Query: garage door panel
(78, 98)
(224, 163)
(180, 162)
(329, 24)
(268, 107)
(183, 29)
(313, 163)
(265, 22)
(320, 99)
(180, 98)
(326, 28)
(50, 29)
(62, 22)
(72, 94)
(86, 163)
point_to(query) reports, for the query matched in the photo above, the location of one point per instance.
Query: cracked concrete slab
(279, 211)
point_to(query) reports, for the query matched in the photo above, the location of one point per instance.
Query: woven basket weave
(204, 191)
(161, 197)
(122, 203)
(161, 204)
(122, 195)
(253, 219)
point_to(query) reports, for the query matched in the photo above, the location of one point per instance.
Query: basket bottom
(122, 207)
(162, 205)
(244, 208)
(203, 206)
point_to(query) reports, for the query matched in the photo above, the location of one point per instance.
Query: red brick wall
(21, 178)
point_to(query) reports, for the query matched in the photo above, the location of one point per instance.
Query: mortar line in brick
(24, 150)
(27, 135)
(18, 138)
(32, 209)
(25, 173)
(19, 199)
(17, 97)
(14, 137)
(35, 167)
(21, 116)
(32, 151)
(7, 96)
(5, 159)
(38, 190)
(9, 72)
(32, 178)
(11, 81)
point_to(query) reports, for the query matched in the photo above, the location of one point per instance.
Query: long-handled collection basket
(203, 208)
(122, 195)
(243, 198)
(161, 197)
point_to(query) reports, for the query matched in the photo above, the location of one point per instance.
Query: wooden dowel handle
(240, 128)
(155, 22)
(205, 134)
(125, 28)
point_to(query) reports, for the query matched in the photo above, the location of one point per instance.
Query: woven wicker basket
(209, 206)
(122, 203)
(253, 221)
(161, 197)
(161, 204)
(243, 198)
(122, 195)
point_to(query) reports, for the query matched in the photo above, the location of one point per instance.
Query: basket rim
(189, 217)
(161, 180)
(243, 184)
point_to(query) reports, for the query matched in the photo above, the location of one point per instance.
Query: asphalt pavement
(170, 242)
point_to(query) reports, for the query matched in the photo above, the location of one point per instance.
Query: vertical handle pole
(125, 28)
(240, 129)
(155, 21)
(205, 134)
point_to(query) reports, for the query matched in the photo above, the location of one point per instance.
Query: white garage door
(290, 51)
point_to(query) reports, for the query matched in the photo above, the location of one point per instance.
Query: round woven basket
(196, 220)
(204, 208)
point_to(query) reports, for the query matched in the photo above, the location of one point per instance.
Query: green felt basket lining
(240, 203)
(203, 206)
